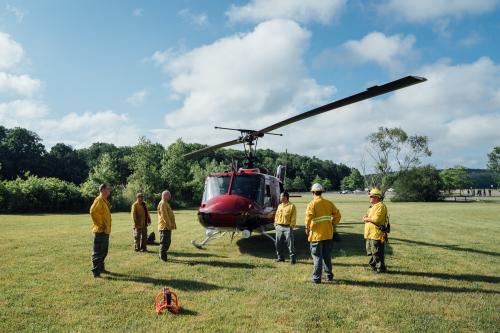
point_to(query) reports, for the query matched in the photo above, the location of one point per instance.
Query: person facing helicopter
(284, 223)
(141, 220)
(376, 221)
(321, 215)
(166, 223)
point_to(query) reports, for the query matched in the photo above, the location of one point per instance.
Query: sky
(80, 72)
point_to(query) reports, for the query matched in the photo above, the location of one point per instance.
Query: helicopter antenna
(286, 160)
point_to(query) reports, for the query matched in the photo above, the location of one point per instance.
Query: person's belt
(283, 225)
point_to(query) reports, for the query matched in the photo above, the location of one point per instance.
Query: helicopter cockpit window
(251, 187)
(215, 186)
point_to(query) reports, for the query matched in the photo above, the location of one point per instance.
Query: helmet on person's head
(317, 188)
(375, 192)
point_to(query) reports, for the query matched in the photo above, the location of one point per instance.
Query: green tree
(325, 182)
(145, 163)
(298, 184)
(176, 172)
(103, 172)
(390, 147)
(494, 163)
(65, 163)
(353, 182)
(418, 184)
(199, 174)
(21, 151)
(455, 178)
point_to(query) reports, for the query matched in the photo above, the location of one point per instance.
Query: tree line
(64, 178)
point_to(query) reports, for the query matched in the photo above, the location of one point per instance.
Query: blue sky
(80, 72)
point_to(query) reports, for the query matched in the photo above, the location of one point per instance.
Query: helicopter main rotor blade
(214, 147)
(368, 93)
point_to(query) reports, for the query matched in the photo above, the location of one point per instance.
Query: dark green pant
(321, 253)
(375, 250)
(141, 238)
(100, 251)
(165, 240)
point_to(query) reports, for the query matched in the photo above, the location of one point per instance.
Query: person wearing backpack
(376, 229)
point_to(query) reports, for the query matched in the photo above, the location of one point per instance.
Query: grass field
(444, 263)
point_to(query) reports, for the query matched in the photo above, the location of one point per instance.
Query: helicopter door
(267, 199)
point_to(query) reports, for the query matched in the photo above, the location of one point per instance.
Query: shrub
(418, 184)
(40, 194)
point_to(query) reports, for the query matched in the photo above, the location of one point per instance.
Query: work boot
(330, 278)
(316, 281)
(280, 260)
(293, 261)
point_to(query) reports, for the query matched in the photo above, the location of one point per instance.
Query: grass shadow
(194, 254)
(447, 276)
(187, 312)
(180, 284)
(446, 246)
(217, 263)
(345, 244)
(415, 287)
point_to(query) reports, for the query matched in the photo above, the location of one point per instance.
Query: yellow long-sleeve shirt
(166, 218)
(321, 215)
(140, 216)
(378, 215)
(100, 211)
(286, 214)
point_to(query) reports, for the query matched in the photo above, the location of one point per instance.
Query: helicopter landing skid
(209, 235)
(263, 232)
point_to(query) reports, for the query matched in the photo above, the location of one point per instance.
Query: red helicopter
(245, 199)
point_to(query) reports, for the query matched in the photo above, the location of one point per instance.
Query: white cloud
(457, 108)
(17, 12)
(199, 20)
(22, 85)
(11, 52)
(137, 12)
(427, 10)
(471, 39)
(21, 112)
(137, 98)
(322, 11)
(84, 129)
(79, 130)
(387, 51)
(246, 80)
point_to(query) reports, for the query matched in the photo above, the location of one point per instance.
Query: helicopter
(244, 200)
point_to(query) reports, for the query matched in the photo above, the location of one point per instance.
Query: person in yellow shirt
(141, 219)
(321, 215)
(375, 222)
(166, 223)
(284, 223)
(100, 212)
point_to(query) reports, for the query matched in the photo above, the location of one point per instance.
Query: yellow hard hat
(375, 192)
(317, 188)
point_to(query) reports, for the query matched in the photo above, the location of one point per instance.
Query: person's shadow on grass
(180, 284)
(346, 244)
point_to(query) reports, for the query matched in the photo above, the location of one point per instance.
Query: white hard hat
(317, 188)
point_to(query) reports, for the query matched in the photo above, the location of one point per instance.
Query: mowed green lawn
(444, 264)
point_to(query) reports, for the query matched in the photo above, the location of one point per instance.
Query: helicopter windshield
(215, 186)
(248, 186)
